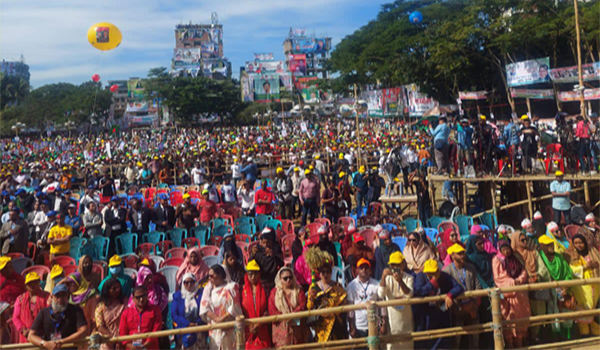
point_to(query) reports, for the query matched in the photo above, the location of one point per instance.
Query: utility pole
(579, 72)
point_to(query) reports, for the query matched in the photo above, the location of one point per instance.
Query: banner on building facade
(297, 32)
(418, 103)
(263, 56)
(535, 94)
(266, 87)
(186, 57)
(135, 88)
(313, 45)
(570, 96)
(472, 95)
(247, 88)
(528, 72)
(590, 71)
(297, 65)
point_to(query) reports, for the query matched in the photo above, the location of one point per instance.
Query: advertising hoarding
(528, 72)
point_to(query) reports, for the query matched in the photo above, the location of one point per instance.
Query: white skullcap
(526, 223)
(552, 226)
(590, 217)
(377, 228)
(537, 215)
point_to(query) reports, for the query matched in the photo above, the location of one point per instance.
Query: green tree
(13, 90)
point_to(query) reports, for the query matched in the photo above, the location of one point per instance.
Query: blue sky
(52, 34)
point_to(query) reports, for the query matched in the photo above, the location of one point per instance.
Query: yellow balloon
(104, 36)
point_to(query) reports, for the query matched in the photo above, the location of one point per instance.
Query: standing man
(263, 199)
(164, 214)
(284, 187)
(250, 171)
(59, 237)
(92, 220)
(116, 224)
(186, 212)
(139, 217)
(361, 185)
(512, 139)
(582, 133)
(361, 290)
(464, 140)
(236, 172)
(74, 220)
(310, 196)
(107, 187)
(561, 192)
(530, 138)
(440, 142)
(14, 233)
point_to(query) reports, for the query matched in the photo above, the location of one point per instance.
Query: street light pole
(579, 72)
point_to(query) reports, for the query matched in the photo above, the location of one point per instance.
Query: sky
(52, 35)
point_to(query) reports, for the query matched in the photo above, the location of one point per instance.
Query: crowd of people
(332, 244)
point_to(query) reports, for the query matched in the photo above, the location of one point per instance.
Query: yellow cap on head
(482, 117)
(307, 171)
(396, 258)
(56, 271)
(341, 156)
(342, 174)
(455, 248)
(524, 117)
(3, 261)
(252, 266)
(115, 261)
(545, 240)
(362, 169)
(32, 276)
(279, 170)
(186, 196)
(145, 262)
(558, 173)
(431, 266)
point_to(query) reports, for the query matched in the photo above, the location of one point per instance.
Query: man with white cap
(561, 192)
(590, 222)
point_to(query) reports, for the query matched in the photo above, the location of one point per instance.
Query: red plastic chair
(369, 236)
(69, 269)
(286, 246)
(235, 212)
(242, 238)
(164, 246)
(252, 244)
(99, 270)
(63, 261)
(313, 229)
(173, 262)
(571, 230)
(216, 240)
(209, 250)
(287, 226)
(554, 155)
(41, 270)
(131, 261)
(243, 246)
(190, 242)
(346, 221)
(146, 249)
(176, 253)
(194, 194)
(32, 249)
(176, 198)
(375, 209)
(323, 221)
(14, 256)
(314, 238)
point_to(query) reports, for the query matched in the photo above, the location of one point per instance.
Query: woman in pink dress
(287, 297)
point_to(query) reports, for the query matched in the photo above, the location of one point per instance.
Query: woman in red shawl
(193, 264)
(255, 304)
(449, 237)
(28, 305)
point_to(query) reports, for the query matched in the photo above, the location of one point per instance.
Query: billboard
(209, 49)
(286, 80)
(266, 87)
(570, 96)
(263, 56)
(143, 120)
(297, 65)
(374, 101)
(135, 107)
(534, 94)
(392, 101)
(265, 67)
(472, 95)
(135, 88)
(247, 87)
(186, 57)
(208, 33)
(590, 71)
(417, 102)
(312, 45)
(528, 72)
(214, 65)
(297, 32)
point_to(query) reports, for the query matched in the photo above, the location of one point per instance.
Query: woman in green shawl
(482, 261)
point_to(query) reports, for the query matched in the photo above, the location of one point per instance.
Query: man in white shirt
(236, 172)
(88, 198)
(228, 193)
(246, 196)
(361, 290)
(198, 173)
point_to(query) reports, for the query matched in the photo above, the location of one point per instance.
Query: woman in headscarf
(383, 251)
(109, 310)
(561, 243)
(509, 272)
(28, 305)
(417, 252)
(255, 304)
(185, 312)
(85, 267)
(476, 230)
(156, 294)
(482, 260)
(233, 268)
(194, 264)
(287, 297)
(584, 263)
(220, 303)
(56, 275)
(157, 277)
(83, 295)
(228, 244)
(301, 269)
(449, 238)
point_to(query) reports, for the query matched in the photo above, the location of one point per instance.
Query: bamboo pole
(586, 192)
(497, 320)
(562, 345)
(373, 338)
(493, 189)
(528, 185)
(240, 333)
(464, 195)
(579, 72)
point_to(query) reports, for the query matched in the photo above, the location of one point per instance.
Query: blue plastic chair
(90, 249)
(338, 249)
(273, 224)
(153, 237)
(202, 233)
(221, 231)
(431, 233)
(176, 235)
(489, 220)
(126, 243)
(389, 227)
(411, 224)
(151, 227)
(337, 274)
(76, 244)
(245, 228)
(245, 220)
(464, 223)
(216, 223)
(260, 221)
(101, 245)
(400, 241)
(211, 260)
(435, 221)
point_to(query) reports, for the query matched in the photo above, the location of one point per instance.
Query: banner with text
(297, 65)
(528, 72)
(135, 88)
(571, 96)
(266, 88)
(534, 94)
(314, 45)
(186, 57)
(590, 71)
(247, 86)
(472, 95)
(417, 102)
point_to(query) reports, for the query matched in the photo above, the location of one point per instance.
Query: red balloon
(114, 88)
(96, 78)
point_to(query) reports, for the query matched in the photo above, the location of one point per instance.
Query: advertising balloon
(96, 78)
(114, 88)
(104, 36)
(416, 17)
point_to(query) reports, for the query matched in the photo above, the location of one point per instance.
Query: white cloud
(52, 35)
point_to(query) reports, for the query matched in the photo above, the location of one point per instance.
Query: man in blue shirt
(512, 140)
(73, 220)
(440, 142)
(250, 171)
(362, 187)
(561, 192)
(464, 140)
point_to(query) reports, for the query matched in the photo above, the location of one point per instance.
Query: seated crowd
(220, 253)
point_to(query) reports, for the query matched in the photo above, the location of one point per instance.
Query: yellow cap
(545, 240)
(32, 276)
(374, 168)
(145, 262)
(342, 174)
(186, 196)
(115, 261)
(140, 164)
(296, 169)
(341, 156)
(524, 117)
(455, 248)
(482, 117)
(362, 169)
(307, 171)
(3, 261)
(205, 191)
(64, 168)
(56, 271)
(396, 258)
(252, 266)
(311, 167)
(558, 173)
(396, 179)
(431, 266)
(317, 156)
(279, 170)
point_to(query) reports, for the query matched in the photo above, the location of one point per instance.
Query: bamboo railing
(373, 338)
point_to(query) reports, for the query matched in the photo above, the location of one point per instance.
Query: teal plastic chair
(202, 233)
(176, 235)
(490, 220)
(464, 223)
(389, 226)
(260, 221)
(435, 221)
(153, 237)
(90, 249)
(76, 244)
(411, 224)
(245, 229)
(338, 249)
(101, 245)
(245, 220)
(272, 224)
(221, 231)
(216, 223)
(126, 243)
